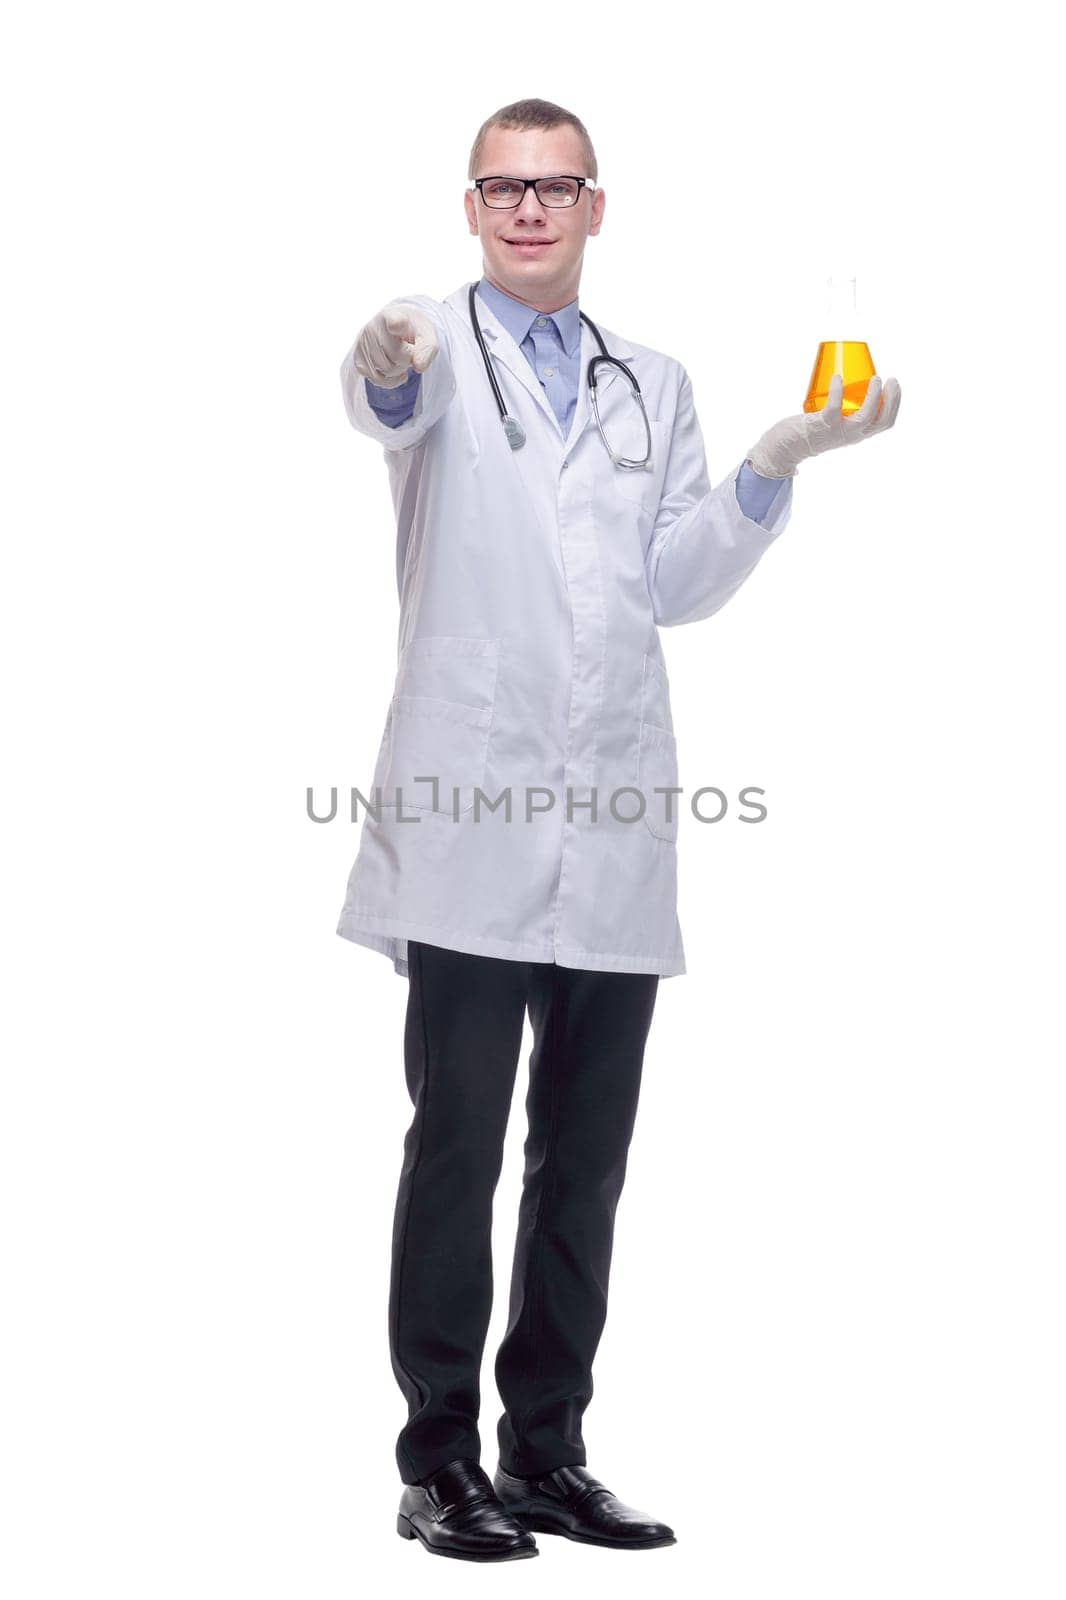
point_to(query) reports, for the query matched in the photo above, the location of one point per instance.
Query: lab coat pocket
(441, 716)
(655, 694)
(645, 487)
(657, 770)
(657, 752)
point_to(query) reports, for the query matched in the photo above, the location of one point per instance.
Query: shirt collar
(518, 318)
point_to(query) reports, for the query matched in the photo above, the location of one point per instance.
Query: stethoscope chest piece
(516, 437)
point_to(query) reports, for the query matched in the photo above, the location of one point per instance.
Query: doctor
(518, 850)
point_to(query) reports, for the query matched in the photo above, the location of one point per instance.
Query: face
(547, 274)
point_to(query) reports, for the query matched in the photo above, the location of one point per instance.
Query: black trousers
(462, 1040)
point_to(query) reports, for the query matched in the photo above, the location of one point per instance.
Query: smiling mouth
(529, 244)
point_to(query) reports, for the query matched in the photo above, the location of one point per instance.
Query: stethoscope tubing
(511, 425)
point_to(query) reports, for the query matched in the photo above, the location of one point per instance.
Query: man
(519, 847)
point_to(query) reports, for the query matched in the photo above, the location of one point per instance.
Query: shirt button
(549, 372)
(542, 322)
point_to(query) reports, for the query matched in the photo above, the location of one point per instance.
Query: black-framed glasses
(503, 194)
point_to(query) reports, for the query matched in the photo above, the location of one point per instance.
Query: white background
(833, 1359)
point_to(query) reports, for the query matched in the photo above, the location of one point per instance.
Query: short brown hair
(524, 114)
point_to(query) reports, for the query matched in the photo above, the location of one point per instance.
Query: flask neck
(842, 317)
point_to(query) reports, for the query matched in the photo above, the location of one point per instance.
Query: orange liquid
(852, 359)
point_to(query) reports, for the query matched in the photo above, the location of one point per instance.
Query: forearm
(699, 560)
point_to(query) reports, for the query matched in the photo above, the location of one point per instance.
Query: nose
(530, 209)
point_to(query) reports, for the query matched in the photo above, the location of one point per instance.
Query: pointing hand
(396, 338)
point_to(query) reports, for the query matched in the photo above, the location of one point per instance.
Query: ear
(471, 210)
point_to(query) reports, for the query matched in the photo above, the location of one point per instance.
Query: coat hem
(389, 936)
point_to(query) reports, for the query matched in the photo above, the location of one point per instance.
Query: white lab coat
(532, 587)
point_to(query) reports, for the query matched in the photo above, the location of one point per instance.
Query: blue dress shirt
(551, 343)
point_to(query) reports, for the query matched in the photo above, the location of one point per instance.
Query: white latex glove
(787, 443)
(400, 336)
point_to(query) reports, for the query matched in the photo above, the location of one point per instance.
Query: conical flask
(842, 350)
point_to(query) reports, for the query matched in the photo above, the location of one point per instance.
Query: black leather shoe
(572, 1502)
(456, 1512)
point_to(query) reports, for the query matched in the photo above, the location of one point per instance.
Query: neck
(549, 299)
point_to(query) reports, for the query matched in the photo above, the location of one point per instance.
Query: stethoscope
(516, 437)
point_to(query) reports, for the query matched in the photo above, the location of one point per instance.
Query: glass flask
(843, 351)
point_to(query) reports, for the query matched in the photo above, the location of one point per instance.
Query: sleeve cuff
(399, 398)
(756, 494)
